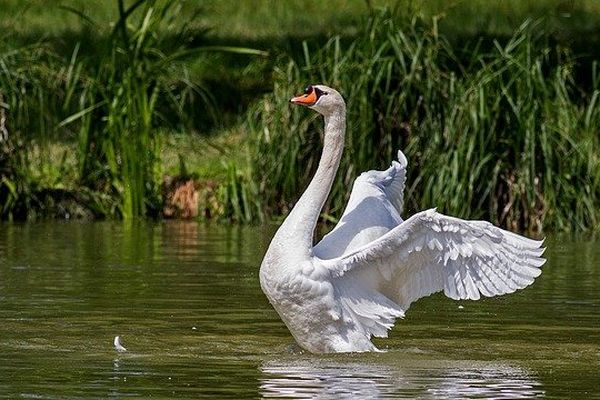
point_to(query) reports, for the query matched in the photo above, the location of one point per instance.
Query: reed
(505, 134)
(26, 106)
(238, 199)
(503, 129)
(140, 83)
(111, 102)
(118, 97)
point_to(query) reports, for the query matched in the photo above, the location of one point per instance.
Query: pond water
(186, 301)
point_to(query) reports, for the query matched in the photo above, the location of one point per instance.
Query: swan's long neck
(297, 231)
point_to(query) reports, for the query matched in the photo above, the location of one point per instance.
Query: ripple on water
(186, 300)
(424, 379)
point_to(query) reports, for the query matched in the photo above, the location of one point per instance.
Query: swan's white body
(368, 270)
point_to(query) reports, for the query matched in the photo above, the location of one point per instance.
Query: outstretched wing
(373, 209)
(428, 253)
(394, 189)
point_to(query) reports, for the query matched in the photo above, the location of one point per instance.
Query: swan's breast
(300, 292)
(298, 285)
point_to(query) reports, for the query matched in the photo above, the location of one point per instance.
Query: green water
(186, 301)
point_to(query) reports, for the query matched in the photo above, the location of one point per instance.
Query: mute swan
(367, 271)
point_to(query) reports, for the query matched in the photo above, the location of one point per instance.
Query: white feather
(118, 346)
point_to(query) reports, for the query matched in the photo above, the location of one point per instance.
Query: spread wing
(428, 253)
(396, 179)
(373, 209)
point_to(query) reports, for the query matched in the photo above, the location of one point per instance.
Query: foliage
(496, 127)
(119, 99)
(504, 134)
(112, 101)
(25, 106)
(238, 199)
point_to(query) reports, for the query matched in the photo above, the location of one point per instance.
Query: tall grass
(114, 100)
(26, 106)
(238, 200)
(121, 92)
(504, 134)
(505, 130)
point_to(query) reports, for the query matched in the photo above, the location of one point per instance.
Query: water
(186, 302)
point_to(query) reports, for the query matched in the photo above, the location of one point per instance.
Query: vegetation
(112, 97)
(497, 113)
(503, 134)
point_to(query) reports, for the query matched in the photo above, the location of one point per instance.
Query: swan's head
(321, 98)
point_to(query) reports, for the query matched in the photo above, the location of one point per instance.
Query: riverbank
(499, 119)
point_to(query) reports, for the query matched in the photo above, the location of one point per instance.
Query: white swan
(368, 270)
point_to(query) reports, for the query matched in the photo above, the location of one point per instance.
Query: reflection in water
(185, 297)
(327, 378)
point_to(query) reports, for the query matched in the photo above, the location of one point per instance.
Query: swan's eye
(308, 98)
(320, 92)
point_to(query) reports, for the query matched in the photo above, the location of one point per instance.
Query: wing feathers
(473, 292)
(366, 311)
(428, 253)
(471, 259)
(373, 209)
(395, 189)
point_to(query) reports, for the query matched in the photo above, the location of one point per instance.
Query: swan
(352, 285)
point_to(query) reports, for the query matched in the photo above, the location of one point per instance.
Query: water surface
(186, 301)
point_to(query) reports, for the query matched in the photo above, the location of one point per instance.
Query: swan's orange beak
(308, 99)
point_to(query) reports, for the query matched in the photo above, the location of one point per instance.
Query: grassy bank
(499, 118)
(504, 134)
(111, 100)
